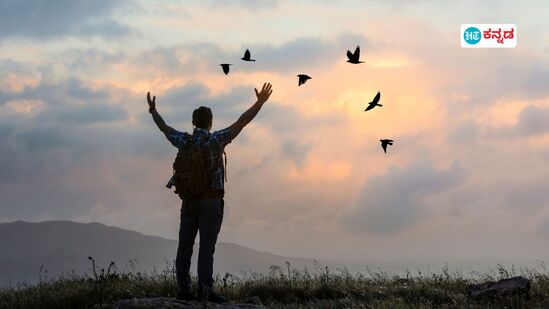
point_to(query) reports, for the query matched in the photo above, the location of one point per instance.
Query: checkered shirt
(214, 144)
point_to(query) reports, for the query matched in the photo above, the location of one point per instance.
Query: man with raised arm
(204, 213)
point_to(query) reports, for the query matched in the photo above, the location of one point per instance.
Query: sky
(467, 177)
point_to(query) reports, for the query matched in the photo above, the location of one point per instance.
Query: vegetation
(283, 287)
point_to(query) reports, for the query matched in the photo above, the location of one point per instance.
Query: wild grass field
(284, 287)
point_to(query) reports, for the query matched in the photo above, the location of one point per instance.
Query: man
(204, 213)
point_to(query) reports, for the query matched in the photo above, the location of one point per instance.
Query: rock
(253, 300)
(512, 286)
(172, 303)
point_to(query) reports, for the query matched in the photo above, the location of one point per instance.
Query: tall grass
(283, 287)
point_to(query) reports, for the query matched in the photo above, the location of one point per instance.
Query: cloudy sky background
(467, 178)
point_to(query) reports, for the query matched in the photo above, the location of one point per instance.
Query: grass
(282, 287)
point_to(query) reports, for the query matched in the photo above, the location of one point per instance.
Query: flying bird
(225, 67)
(354, 57)
(302, 79)
(374, 102)
(247, 56)
(385, 142)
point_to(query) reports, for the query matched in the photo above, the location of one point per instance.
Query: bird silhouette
(225, 67)
(374, 102)
(385, 142)
(302, 79)
(354, 57)
(247, 56)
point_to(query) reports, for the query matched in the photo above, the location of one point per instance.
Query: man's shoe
(186, 296)
(212, 296)
(216, 298)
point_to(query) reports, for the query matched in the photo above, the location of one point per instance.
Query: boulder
(512, 286)
(172, 303)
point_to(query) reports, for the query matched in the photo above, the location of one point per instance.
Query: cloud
(282, 117)
(181, 58)
(108, 29)
(33, 150)
(304, 53)
(83, 114)
(42, 19)
(56, 170)
(14, 76)
(464, 132)
(42, 139)
(525, 78)
(297, 150)
(265, 161)
(252, 5)
(464, 88)
(46, 129)
(527, 197)
(392, 202)
(533, 120)
(226, 106)
(70, 101)
(78, 59)
(543, 226)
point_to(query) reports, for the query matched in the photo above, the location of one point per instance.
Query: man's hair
(202, 117)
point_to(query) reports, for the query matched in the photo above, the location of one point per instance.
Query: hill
(63, 246)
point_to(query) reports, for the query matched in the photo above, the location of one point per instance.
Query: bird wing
(247, 54)
(384, 146)
(349, 55)
(370, 106)
(376, 98)
(357, 53)
(302, 79)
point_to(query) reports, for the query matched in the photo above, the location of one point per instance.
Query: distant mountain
(64, 246)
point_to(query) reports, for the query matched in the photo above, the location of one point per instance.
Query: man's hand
(248, 115)
(156, 117)
(265, 93)
(152, 103)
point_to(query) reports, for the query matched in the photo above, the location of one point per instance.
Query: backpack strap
(195, 138)
(225, 169)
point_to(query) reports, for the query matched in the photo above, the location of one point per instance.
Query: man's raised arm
(166, 129)
(248, 115)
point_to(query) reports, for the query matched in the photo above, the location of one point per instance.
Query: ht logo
(472, 35)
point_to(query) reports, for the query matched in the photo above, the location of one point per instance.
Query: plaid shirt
(214, 144)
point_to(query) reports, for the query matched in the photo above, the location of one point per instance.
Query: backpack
(190, 173)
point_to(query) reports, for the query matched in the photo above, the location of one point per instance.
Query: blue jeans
(204, 215)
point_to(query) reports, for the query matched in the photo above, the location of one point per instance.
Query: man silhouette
(204, 213)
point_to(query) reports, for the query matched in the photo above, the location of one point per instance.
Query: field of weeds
(283, 287)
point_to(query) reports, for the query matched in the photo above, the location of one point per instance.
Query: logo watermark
(488, 35)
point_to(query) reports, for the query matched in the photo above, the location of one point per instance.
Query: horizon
(465, 179)
(466, 268)
(397, 266)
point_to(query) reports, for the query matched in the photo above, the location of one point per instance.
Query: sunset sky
(467, 178)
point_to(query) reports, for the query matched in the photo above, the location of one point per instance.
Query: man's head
(202, 118)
